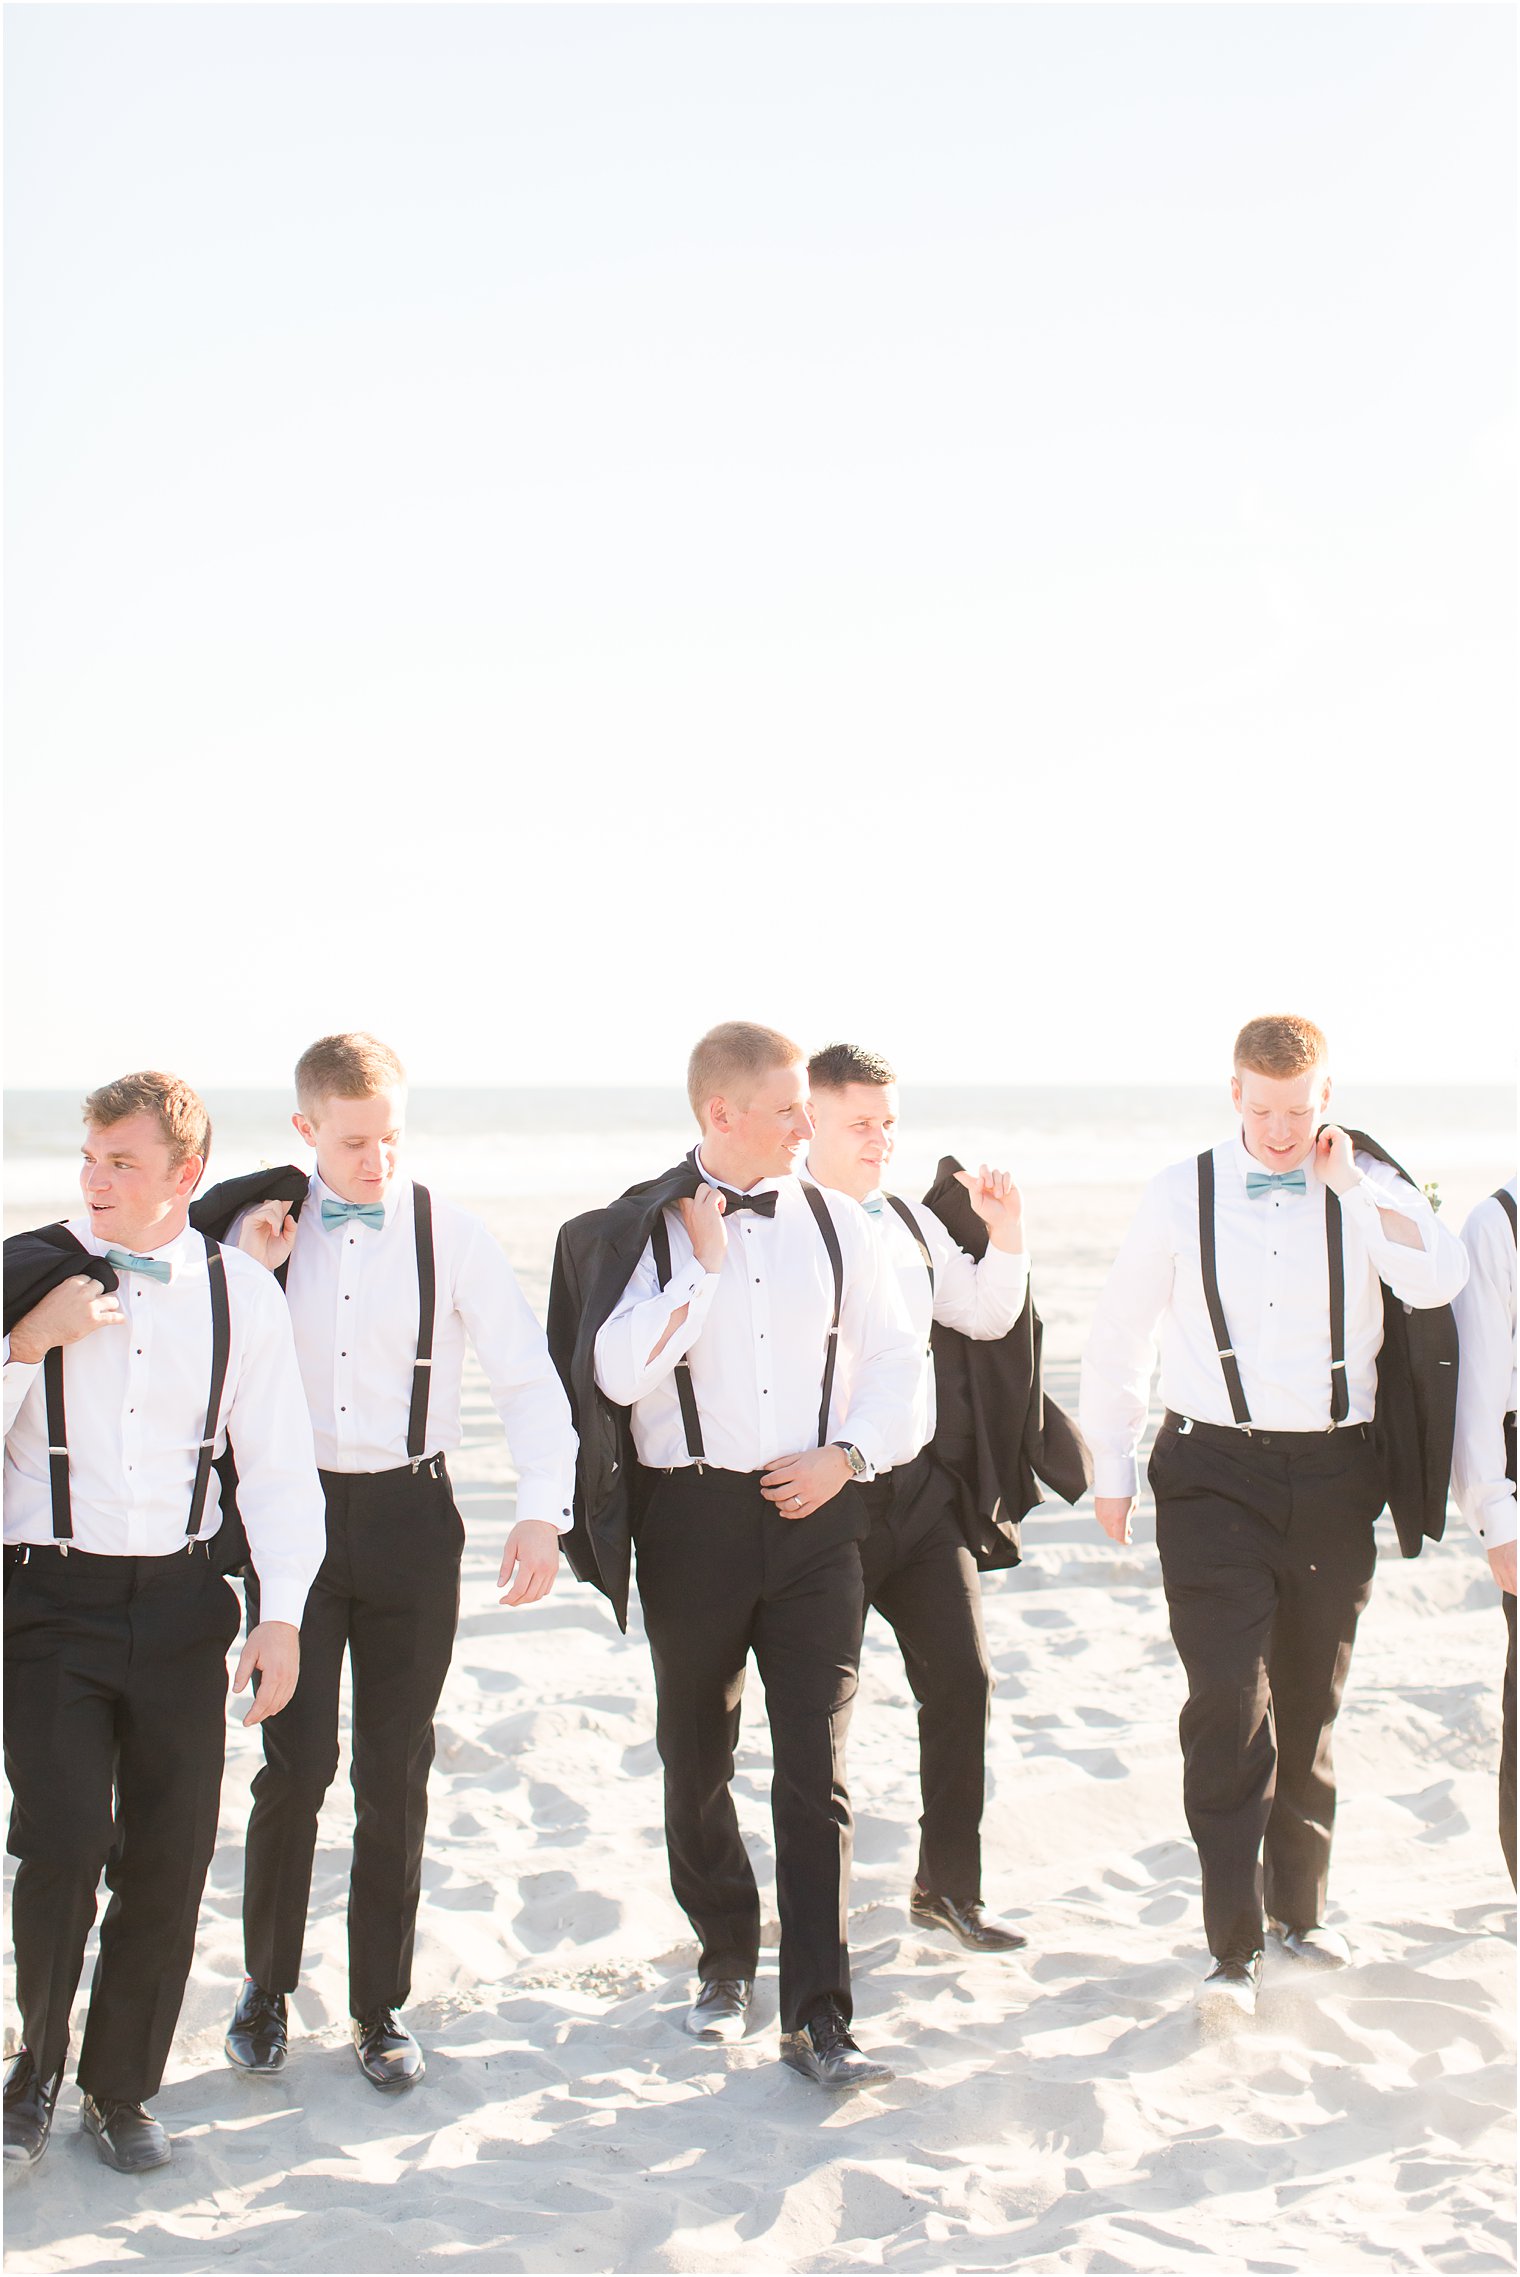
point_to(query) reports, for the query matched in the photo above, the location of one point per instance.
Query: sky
(989, 531)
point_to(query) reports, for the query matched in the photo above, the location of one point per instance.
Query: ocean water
(586, 1145)
(526, 1160)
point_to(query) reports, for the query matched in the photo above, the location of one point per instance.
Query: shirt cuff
(1494, 1523)
(1007, 1265)
(544, 1505)
(1366, 1195)
(1116, 1477)
(281, 1600)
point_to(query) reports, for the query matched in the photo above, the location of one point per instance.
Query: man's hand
(533, 1551)
(702, 1217)
(1334, 1161)
(800, 1484)
(75, 1308)
(1114, 1512)
(268, 1234)
(1501, 1564)
(998, 1203)
(274, 1649)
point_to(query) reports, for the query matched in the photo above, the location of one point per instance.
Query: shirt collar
(398, 1191)
(764, 1186)
(1247, 1166)
(183, 1250)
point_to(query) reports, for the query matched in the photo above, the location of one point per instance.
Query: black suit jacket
(996, 1432)
(1416, 1417)
(40, 1261)
(217, 1210)
(594, 1259)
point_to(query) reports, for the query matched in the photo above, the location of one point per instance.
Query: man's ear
(190, 1173)
(1235, 1092)
(307, 1130)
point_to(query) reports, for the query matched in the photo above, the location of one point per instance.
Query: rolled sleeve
(1425, 1277)
(628, 1366)
(280, 1496)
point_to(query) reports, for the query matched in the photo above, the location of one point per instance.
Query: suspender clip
(1184, 1427)
(420, 1363)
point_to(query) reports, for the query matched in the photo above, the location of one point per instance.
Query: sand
(1062, 2111)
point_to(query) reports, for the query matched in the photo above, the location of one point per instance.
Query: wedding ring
(796, 1502)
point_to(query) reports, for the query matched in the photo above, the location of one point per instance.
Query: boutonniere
(1432, 1193)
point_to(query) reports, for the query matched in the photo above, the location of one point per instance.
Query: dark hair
(839, 1064)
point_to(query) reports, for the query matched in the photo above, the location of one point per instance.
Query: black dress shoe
(719, 2010)
(256, 2037)
(29, 2107)
(388, 2055)
(126, 2136)
(1231, 1986)
(823, 2051)
(966, 1922)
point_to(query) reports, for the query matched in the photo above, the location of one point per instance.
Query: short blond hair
(735, 1055)
(1280, 1044)
(176, 1109)
(353, 1066)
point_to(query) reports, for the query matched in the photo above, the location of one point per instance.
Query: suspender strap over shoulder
(896, 1202)
(1507, 1199)
(830, 1233)
(1208, 1261)
(1335, 1243)
(221, 1347)
(691, 1421)
(58, 1445)
(427, 1306)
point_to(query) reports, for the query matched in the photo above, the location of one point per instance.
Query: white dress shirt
(135, 1404)
(1273, 1265)
(754, 1338)
(983, 1299)
(1485, 1311)
(352, 1291)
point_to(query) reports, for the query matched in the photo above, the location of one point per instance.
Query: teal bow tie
(128, 1261)
(371, 1214)
(1259, 1182)
(873, 1205)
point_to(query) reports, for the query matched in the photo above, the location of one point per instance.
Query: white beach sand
(1058, 2113)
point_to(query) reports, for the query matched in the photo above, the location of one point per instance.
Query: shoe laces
(830, 2033)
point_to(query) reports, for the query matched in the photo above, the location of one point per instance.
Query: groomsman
(1483, 1457)
(1260, 1265)
(384, 1283)
(919, 1573)
(122, 1382)
(768, 1365)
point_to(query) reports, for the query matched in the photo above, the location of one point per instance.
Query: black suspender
(58, 1444)
(1222, 1345)
(659, 1242)
(57, 1424)
(896, 1202)
(1335, 1243)
(1507, 1198)
(830, 1233)
(427, 1307)
(221, 1346)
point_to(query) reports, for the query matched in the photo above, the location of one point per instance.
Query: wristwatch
(859, 1467)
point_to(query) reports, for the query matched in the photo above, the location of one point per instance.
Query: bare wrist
(24, 1350)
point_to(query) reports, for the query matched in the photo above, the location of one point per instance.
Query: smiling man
(1259, 1268)
(765, 1362)
(384, 1284)
(919, 1573)
(121, 1384)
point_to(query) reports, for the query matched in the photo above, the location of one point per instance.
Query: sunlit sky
(989, 531)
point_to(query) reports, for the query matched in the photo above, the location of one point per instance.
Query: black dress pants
(115, 1722)
(922, 1579)
(1267, 1555)
(722, 1574)
(388, 1595)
